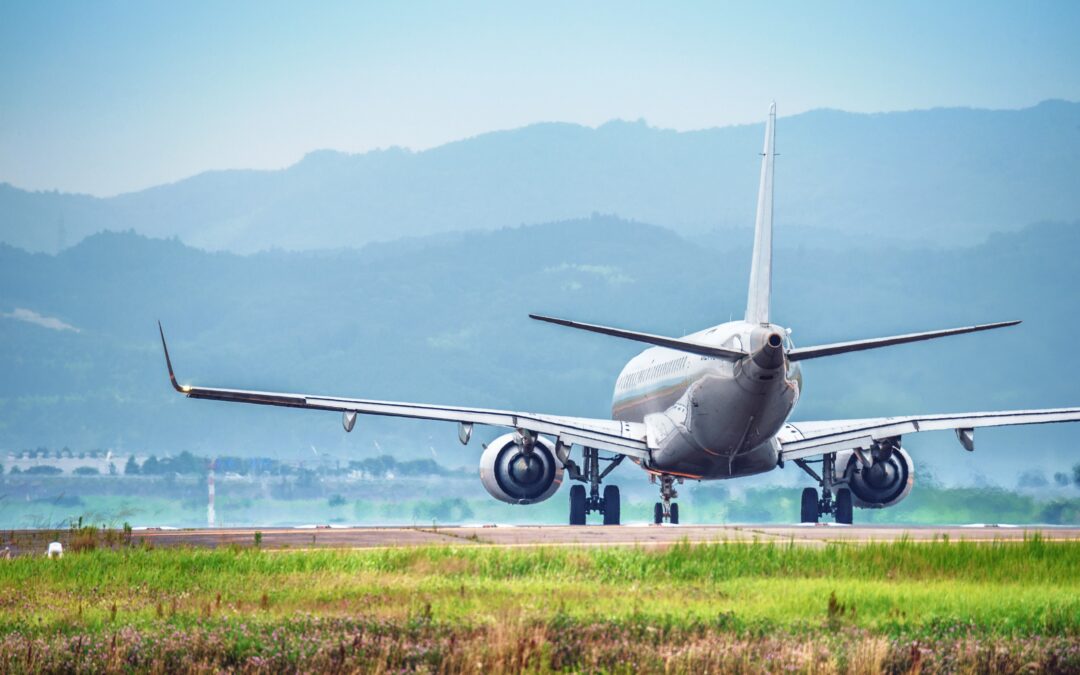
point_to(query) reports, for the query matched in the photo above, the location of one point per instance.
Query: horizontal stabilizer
(803, 353)
(658, 340)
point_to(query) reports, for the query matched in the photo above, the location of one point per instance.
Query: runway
(597, 535)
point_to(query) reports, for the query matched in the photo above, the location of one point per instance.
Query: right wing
(625, 438)
(799, 440)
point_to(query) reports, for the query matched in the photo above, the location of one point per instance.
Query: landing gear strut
(582, 505)
(812, 507)
(665, 509)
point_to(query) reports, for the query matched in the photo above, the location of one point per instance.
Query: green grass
(745, 596)
(1030, 587)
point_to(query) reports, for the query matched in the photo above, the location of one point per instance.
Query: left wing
(807, 439)
(625, 438)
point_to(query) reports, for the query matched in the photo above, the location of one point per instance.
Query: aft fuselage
(709, 417)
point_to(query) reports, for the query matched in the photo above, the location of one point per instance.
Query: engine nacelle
(885, 482)
(513, 477)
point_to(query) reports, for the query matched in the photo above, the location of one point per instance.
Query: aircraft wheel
(674, 519)
(810, 505)
(577, 504)
(844, 510)
(658, 514)
(611, 505)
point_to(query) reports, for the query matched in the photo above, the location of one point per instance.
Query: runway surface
(597, 535)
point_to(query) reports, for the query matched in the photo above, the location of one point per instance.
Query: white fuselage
(708, 417)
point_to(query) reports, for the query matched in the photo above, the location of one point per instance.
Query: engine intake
(515, 477)
(885, 482)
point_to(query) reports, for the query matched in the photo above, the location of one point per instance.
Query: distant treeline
(189, 464)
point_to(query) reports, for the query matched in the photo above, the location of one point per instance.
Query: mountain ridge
(952, 174)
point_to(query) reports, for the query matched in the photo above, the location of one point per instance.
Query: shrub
(44, 470)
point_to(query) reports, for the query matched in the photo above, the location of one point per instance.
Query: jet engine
(512, 475)
(885, 482)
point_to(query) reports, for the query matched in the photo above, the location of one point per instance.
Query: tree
(1076, 475)
(151, 466)
(1061, 478)
(112, 469)
(187, 463)
(86, 471)
(131, 467)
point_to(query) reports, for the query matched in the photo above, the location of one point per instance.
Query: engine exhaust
(771, 354)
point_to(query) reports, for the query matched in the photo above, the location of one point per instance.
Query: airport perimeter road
(598, 535)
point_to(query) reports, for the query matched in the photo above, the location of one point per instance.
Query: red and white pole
(210, 504)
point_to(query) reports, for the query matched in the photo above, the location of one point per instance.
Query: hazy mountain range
(443, 319)
(947, 176)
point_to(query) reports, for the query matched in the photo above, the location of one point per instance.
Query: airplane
(710, 405)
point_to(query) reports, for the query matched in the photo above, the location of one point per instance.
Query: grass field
(685, 608)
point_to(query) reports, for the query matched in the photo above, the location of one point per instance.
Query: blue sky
(107, 97)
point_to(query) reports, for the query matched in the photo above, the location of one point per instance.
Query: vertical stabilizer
(757, 302)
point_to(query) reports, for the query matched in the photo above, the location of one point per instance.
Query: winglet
(168, 362)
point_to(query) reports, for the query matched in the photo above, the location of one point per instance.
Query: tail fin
(757, 302)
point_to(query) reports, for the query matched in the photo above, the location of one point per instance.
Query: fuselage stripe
(627, 401)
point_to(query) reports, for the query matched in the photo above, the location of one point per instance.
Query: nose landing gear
(665, 509)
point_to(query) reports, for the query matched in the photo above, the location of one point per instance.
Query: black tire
(658, 514)
(612, 508)
(674, 519)
(577, 504)
(843, 509)
(810, 512)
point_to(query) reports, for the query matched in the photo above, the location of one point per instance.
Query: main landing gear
(582, 505)
(665, 509)
(813, 508)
